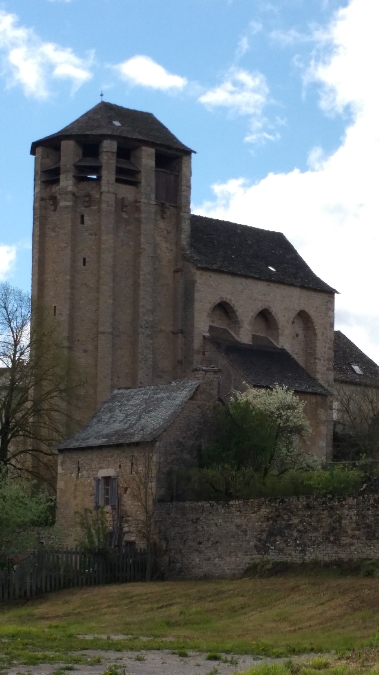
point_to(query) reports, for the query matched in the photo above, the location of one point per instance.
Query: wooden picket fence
(45, 571)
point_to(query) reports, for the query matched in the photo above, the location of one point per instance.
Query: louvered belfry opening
(127, 172)
(88, 167)
(51, 173)
(166, 179)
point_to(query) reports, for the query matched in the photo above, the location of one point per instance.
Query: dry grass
(275, 615)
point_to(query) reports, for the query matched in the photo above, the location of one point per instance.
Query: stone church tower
(111, 223)
(146, 293)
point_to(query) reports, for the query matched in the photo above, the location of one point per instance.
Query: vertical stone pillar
(106, 270)
(145, 301)
(184, 194)
(70, 152)
(181, 333)
(39, 215)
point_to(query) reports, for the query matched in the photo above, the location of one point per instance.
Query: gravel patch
(149, 662)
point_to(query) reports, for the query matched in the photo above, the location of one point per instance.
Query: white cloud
(290, 37)
(143, 71)
(28, 61)
(242, 47)
(243, 93)
(331, 211)
(245, 41)
(7, 259)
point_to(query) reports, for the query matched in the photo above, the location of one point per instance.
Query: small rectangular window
(84, 262)
(55, 310)
(106, 491)
(82, 219)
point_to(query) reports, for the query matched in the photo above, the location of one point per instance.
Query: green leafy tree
(242, 437)
(23, 509)
(257, 432)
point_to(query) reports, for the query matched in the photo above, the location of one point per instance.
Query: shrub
(220, 483)
(241, 437)
(23, 508)
(94, 531)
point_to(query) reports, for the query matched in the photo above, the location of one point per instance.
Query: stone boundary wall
(219, 539)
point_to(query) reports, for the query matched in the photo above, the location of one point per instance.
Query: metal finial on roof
(101, 94)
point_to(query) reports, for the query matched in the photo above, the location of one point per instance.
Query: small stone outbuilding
(115, 461)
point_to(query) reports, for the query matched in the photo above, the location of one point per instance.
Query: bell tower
(111, 225)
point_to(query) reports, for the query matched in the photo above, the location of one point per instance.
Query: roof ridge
(231, 222)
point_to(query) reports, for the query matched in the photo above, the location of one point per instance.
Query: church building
(166, 311)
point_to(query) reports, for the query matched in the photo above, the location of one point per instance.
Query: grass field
(274, 616)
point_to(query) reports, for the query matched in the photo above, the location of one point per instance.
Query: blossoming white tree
(286, 413)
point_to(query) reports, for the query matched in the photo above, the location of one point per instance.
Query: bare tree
(143, 493)
(356, 422)
(39, 385)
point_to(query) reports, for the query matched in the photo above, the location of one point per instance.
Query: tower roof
(108, 119)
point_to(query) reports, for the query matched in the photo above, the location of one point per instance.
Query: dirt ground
(148, 663)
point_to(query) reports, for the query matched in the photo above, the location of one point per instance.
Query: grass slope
(273, 616)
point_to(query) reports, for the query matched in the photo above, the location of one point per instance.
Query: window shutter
(96, 492)
(114, 491)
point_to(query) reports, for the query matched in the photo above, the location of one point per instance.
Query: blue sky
(279, 99)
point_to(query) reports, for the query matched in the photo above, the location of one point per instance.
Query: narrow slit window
(84, 262)
(55, 310)
(82, 218)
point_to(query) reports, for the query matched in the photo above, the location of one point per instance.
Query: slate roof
(264, 364)
(134, 415)
(141, 126)
(249, 251)
(347, 353)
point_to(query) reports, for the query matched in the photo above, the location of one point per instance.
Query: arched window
(224, 316)
(303, 341)
(266, 324)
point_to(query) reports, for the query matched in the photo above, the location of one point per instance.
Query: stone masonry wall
(249, 296)
(214, 539)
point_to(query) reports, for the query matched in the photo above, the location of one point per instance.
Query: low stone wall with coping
(220, 539)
